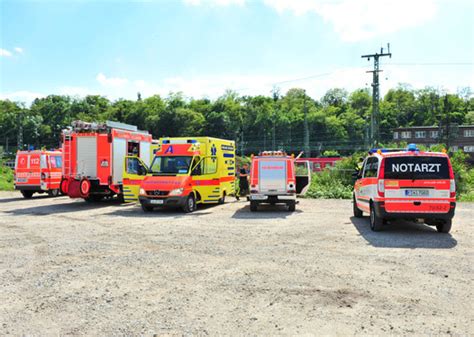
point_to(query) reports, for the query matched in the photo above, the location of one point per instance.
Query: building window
(454, 148)
(469, 148)
(468, 133)
(434, 134)
(406, 134)
(420, 134)
(395, 135)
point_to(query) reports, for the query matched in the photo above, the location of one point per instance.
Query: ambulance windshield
(171, 165)
(419, 167)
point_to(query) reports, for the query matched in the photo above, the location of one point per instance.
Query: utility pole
(307, 149)
(20, 130)
(276, 94)
(374, 118)
(447, 115)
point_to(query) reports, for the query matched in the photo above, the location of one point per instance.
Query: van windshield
(171, 165)
(420, 167)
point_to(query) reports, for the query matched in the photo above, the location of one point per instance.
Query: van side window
(371, 168)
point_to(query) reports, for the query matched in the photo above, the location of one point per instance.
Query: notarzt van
(38, 171)
(406, 184)
(276, 178)
(188, 171)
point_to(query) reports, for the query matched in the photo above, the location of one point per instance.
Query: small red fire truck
(38, 171)
(94, 155)
(408, 184)
(276, 178)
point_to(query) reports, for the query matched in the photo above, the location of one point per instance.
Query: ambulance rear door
(134, 171)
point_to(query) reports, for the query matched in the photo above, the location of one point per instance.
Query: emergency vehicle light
(412, 147)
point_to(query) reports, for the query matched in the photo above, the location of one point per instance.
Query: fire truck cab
(275, 178)
(408, 184)
(94, 155)
(38, 172)
(188, 171)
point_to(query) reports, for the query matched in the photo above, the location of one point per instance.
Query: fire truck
(38, 171)
(408, 184)
(276, 177)
(94, 154)
(187, 171)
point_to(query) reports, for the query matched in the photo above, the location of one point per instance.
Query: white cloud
(22, 96)
(111, 81)
(4, 52)
(356, 20)
(18, 50)
(215, 2)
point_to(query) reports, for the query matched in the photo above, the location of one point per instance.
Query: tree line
(339, 121)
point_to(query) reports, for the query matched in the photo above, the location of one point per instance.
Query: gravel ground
(68, 267)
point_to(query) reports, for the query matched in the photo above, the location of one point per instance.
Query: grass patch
(6, 178)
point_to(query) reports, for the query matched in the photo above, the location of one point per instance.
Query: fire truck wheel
(253, 206)
(444, 227)
(63, 186)
(292, 206)
(222, 200)
(147, 208)
(53, 193)
(190, 205)
(375, 221)
(27, 194)
(357, 212)
(84, 187)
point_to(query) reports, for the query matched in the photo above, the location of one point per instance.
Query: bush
(6, 178)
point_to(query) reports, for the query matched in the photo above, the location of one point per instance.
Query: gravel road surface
(68, 267)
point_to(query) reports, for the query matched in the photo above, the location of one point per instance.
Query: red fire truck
(38, 171)
(94, 157)
(275, 178)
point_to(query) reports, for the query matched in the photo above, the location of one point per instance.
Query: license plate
(156, 202)
(258, 197)
(417, 193)
(21, 180)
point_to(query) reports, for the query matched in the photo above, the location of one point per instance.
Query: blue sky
(203, 47)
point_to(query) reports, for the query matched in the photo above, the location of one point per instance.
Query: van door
(303, 177)
(134, 171)
(366, 186)
(206, 180)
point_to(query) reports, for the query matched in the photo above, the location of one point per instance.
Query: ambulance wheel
(375, 221)
(190, 205)
(63, 186)
(146, 208)
(53, 193)
(27, 194)
(253, 206)
(292, 206)
(357, 212)
(222, 200)
(444, 227)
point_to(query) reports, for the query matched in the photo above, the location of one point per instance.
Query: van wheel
(357, 212)
(63, 186)
(146, 208)
(375, 221)
(27, 194)
(222, 200)
(253, 206)
(444, 227)
(292, 206)
(53, 193)
(190, 205)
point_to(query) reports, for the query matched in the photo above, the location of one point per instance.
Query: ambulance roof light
(412, 147)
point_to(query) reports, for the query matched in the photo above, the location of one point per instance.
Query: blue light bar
(412, 147)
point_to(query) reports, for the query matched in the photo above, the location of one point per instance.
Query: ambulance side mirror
(356, 174)
(142, 170)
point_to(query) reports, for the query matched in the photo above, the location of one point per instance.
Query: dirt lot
(69, 267)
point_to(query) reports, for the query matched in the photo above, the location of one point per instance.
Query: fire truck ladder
(67, 155)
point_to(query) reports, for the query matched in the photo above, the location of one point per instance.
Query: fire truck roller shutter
(119, 148)
(145, 153)
(87, 156)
